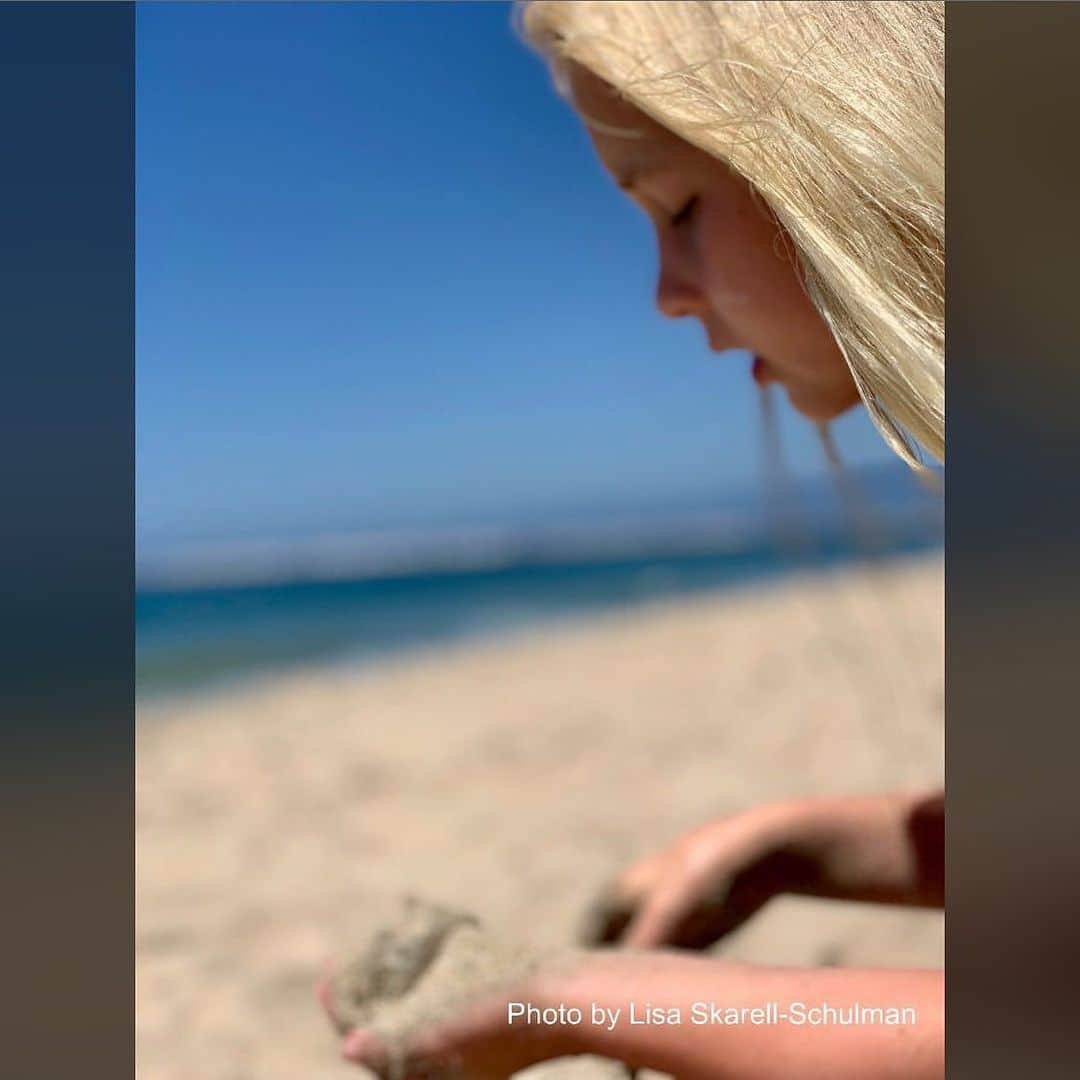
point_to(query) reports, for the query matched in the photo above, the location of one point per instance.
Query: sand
(279, 823)
(417, 968)
(393, 971)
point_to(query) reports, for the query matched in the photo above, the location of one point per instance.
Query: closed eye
(686, 212)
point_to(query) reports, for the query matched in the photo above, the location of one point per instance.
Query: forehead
(628, 142)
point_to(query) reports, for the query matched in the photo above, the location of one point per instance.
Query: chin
(820, 407)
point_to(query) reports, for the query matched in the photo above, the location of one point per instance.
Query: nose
(676, 294)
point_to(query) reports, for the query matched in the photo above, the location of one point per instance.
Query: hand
(477, 1042)
(706, 884)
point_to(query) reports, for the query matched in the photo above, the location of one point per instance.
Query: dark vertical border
(66, 697)
(1013, 537)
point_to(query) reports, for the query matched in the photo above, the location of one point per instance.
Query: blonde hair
(835, 113)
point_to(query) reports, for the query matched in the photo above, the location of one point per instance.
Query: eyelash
(684, 214)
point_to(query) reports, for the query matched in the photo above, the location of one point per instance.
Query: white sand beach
(512, 778)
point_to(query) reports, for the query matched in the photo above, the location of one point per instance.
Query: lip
(760, 371)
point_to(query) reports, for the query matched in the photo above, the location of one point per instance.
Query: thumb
(657, 920)
(605, 920)
(681, 917)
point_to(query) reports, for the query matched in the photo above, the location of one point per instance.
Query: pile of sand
(418, 968)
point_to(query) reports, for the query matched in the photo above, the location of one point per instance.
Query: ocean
(190, 639)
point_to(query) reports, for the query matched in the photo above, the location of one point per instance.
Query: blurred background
(437, 517)
(396, 325)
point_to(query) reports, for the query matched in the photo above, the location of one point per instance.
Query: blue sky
(381, 280)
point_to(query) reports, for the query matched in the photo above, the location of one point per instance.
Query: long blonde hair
(835, 113)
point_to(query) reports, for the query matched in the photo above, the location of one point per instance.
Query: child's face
(723, 258)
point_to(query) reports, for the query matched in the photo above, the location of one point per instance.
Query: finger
(605, 919)
(324, 994)
(428, 1054)
(363, 1047)
(689, 917)
(656, 922)
(642, 876)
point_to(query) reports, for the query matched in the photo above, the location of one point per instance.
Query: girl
(790, 157)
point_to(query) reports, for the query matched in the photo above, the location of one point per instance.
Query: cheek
(747, 284)
(753, 281)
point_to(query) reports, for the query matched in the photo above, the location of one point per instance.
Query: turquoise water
(195, 638)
